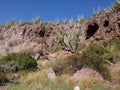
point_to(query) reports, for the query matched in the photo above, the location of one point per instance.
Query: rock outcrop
(85, 73)
(103, 26)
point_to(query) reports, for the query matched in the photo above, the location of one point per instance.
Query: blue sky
(48, 10)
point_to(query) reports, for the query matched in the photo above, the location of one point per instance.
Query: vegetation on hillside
(115, 7)
(19, 61)
(33, 74)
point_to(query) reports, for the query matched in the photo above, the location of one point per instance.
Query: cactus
(69, 38)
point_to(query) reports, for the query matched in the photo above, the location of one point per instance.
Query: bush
(19, 61)
(91, 58)
(26, 61)
(97, 56)
(69, 64)
(113, 47)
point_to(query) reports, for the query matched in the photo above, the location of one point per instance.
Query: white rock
(36, 57)
(76, 88)
(51, 74)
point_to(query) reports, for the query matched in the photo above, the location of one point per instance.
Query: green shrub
(69, 64)
(97, 56)
(19, 61)
(114, 42)
(26, 61)
(113, 47)
(91, 58)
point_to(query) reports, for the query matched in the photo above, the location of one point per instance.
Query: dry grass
(41, 40)
(115, 74)
(64, 79)
(88, 83)
(34, 78)
(45, 63)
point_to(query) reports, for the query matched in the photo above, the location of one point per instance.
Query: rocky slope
(50, 42)
(19, 36)
(103, 26)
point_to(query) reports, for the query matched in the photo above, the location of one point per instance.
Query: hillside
(61, 55)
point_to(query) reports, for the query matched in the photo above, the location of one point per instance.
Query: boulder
(85, 73)
(51, 74)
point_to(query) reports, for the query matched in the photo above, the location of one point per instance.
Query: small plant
(2, 78)
(36, 20)
(1, 37)
(7, 26)
(40, 52)
(40, 40)
(11, 44)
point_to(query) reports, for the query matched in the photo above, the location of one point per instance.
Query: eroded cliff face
(103, 26)
(18, 37)
(21, 36)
